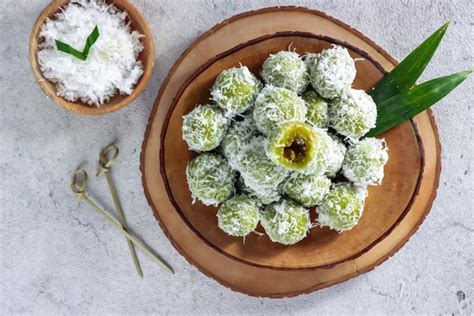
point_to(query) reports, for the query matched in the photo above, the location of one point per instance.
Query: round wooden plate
(393, 211)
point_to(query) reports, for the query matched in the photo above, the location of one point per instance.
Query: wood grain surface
(393, 212)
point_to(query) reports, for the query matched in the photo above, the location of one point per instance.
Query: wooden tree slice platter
(393, 210)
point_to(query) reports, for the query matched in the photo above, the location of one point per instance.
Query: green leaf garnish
(396, 96)
(405, 74)
(409, 103)
(91, 39)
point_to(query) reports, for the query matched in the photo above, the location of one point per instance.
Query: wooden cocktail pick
(79, 187)
(107, 157)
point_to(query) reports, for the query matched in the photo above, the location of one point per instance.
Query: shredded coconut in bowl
(112, 65)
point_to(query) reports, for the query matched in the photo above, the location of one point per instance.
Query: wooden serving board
(262, 268)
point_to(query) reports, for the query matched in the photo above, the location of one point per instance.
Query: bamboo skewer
(107, 157)
(79, 186)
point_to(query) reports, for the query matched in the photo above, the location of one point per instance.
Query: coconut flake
(111, 66)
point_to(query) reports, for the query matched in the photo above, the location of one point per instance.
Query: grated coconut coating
(342, 207)
(235, 90)
(332, 71)
(238, 135)
(262, 196)
(321, 157)
(318, 155)
(238, 216)
(335, 158)
(277, 105)
(112, 66)
(353, 114)
(210, 179)
(204, 128)
(308, 190)
(365, 161)
(286, 222)
(317, 109)
(286, 69)
(259, 172)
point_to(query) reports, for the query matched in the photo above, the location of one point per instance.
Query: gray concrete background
(57, 258)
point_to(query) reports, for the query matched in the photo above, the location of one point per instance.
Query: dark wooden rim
(208, 64)
(318, 286)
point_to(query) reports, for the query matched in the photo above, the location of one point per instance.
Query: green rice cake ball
(238, 216)
(235, 90)
(332, 72)
(335, 157)
(317, 109)
(257, 170)
(292, 146)
(277, 105)
(342, 207)
(299, 147)
(210, 179)
(262, 196)
(321, 158)
(365, 161)
(204, 128)
(353, 114)
(308, 190)
(311, 150)
(286, 69)
(286, 222)
(238, 135)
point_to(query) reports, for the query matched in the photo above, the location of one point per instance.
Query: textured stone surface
(60, 258)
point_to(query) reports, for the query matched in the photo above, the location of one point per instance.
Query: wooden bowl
(393, 211)
(147, 57)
